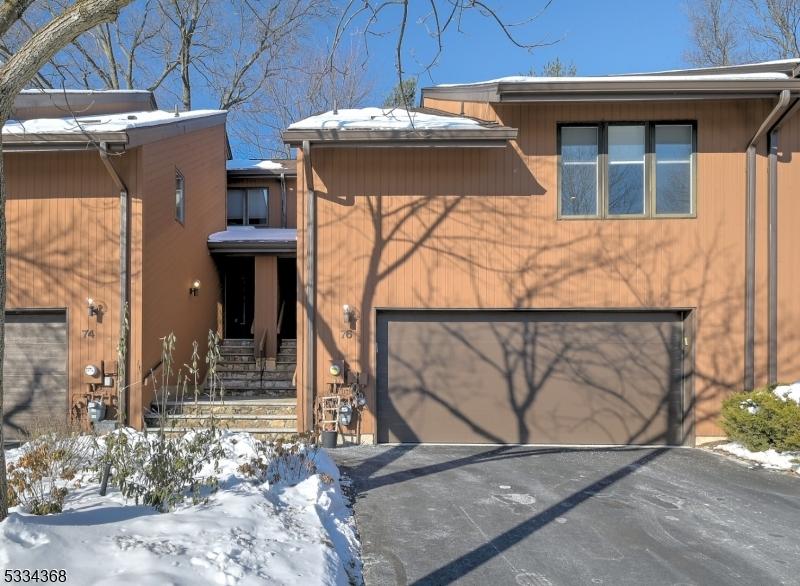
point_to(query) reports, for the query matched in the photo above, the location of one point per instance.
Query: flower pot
(329, 439)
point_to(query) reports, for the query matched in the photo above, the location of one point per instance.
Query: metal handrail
(280, 317)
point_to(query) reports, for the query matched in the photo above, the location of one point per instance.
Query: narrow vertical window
(180, 197)
(673, 150)
(626, 188)
(257, 208)
(579, 178)
(236, 207)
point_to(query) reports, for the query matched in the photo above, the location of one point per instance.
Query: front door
(239, 297)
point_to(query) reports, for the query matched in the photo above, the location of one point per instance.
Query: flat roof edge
(397, 137)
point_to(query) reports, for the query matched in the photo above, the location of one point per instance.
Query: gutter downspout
(310, 292)
(750, 238)
(283, 200)
(124, 274)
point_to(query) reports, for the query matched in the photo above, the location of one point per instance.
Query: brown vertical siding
(174, 255)
(789, 252)
(477, 228)
(63, 246)
(265, 315)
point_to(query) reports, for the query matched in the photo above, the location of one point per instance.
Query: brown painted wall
(63, 243)
(174, 255)
(439, 228)
(274, 186)
(265, 316)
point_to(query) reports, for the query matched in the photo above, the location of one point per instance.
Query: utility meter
(91, 371)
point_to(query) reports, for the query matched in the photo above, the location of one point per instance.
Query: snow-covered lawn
(247, 533)
(768, 459)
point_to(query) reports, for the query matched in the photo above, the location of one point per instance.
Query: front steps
(266, 419)
(256, 398)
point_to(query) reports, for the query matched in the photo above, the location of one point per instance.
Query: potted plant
(330, 436)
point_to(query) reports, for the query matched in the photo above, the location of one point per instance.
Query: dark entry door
(239, 297)
(530, 377)
(34, 371)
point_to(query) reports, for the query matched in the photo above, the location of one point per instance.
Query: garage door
(530, 377)
(34, 370)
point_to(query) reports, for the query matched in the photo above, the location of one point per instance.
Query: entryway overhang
(251, 240)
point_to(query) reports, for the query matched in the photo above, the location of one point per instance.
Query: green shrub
(759, 420)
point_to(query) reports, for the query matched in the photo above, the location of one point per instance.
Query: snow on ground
(247, 533)
(768, 459)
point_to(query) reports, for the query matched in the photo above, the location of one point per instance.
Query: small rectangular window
(257, 207)
(626, 148)
(579, 152)
(180, 197)
(236, 207)
(674, 147)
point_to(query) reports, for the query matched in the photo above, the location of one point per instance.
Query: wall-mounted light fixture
(348, 313)
(93, 309)
(194, 290)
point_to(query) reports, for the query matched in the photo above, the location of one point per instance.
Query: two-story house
(584, 260)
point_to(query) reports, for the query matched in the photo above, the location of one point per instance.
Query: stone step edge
(222, 416)
(219, 402)
(264, 430)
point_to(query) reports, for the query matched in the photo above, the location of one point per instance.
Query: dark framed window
(248, 206)
(180, 197)
(627, 170)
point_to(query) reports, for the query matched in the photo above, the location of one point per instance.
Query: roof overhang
(628, 88)
(288, 248)
(488, 136)
(116, 141)
(239, 240)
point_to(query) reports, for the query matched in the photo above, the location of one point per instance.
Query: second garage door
(569, 377)
(34, 371)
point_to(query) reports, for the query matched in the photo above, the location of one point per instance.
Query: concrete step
(267, 434)
(236, 351)
(237, 342)
(236, 358)
(253, 367)
(244, 422)
(286, 360)
(248, 407)
(238, 384)
(289, 342)
(255, 375)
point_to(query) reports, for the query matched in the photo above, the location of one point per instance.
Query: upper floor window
(619, 170)
(248, 207)
(180, 197)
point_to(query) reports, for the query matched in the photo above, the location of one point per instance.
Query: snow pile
(253, 234)
(384, 119)
(253, 164)
(768, 458)
(788, 392)
(249, 532)
(101, 123)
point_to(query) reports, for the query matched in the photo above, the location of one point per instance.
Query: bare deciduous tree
(17, 70)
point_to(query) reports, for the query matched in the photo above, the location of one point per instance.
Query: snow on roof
(253, 234)
(58, 91)
(384, 119)
(254, 165)
(101, 123)
(764, 76)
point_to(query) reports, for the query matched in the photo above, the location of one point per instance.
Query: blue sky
(598, 36)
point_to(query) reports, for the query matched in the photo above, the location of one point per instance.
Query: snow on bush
(788, 392)
(278, 516)
(762, 420)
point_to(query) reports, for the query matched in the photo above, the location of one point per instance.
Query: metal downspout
(124, 273)
(310, 289)
(283, 200)
(750, 238)
(772, 257)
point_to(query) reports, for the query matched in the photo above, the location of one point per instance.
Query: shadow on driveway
(550, 515)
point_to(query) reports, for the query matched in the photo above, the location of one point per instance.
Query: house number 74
(87, 333)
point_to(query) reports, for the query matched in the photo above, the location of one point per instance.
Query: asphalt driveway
(541, 516)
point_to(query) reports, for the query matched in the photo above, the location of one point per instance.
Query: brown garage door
(34, 370)
(530, 377)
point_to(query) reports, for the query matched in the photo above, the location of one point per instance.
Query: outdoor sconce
(92, 308)
(349, 313)
(195, 288)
